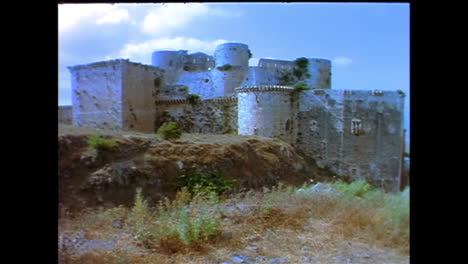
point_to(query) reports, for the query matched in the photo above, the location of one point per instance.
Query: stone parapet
(264, 88)
(185, 101)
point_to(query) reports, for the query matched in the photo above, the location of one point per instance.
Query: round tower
(231, 67)
(320, 74)
(170, 61)
(267, 110)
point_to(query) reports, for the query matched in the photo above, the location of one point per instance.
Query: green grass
(101, 144)
(198, 181)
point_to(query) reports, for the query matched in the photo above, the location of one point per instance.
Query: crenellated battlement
(264, 88)
(185, 101)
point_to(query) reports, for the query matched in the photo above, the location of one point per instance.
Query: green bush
(183, 221)
(357, 188)
(301, 87)
(302, 62)
(170, 130)
(197, 181)
(225, 67)
(101, 144)
(193, 98)
(157, 82)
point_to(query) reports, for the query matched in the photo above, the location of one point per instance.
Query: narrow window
(356, 126)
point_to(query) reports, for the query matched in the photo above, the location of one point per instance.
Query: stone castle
(358, 134)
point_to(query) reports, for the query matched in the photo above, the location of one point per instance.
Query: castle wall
(354, 133)
(261, 76)
(97, 94)
(138, 96)
(275, 64)
(200, 83)
(199, 62)
(216, 116)
(65, 114)
(320, 74)
(268, 111)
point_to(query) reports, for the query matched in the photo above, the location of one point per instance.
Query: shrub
(357, 188)
(181, 222)
(198, 182)
(157, 82)
(140, 219)
(225, 67)
(193, 98)
(302, 62)
(170, 130)
(101, 144)
(301, 87)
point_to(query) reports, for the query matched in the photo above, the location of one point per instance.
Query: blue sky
(368, 43)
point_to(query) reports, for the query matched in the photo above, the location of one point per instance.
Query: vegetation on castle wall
(158, 82)
(170, 130)
(297, 74)
(184, 89)
(250, 54)
(225, 67)
(301, 87)
(193, 98)
(226, 109)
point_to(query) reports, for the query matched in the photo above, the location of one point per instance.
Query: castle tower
(232, 63)
(170, 61)
(320, 74)
(267, 110)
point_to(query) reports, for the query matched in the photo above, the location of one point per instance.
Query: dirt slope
(88, 178)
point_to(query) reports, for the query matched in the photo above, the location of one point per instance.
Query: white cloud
(71, 15)
(114, 17)
(342, 61)
(141, 52)
(164, 18)
(253, 61)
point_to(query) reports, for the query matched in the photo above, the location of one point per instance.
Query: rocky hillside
(88, 177)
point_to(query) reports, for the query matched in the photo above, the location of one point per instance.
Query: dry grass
(281, 223)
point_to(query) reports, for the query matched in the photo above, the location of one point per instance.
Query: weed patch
(170, 130)
(101, 144)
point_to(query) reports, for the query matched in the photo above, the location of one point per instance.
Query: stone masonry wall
(97, 94)
(354, 133)
(200, 83)
(139, 95)
(215, 116)
(65, 114)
